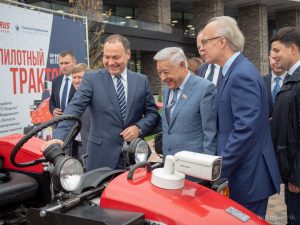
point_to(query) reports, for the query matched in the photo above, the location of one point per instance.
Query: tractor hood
(192, 205)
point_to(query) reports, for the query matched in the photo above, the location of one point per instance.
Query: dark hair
(287, 36)
(118, 38)
(67, 52)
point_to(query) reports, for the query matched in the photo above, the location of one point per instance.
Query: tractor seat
(19, 187)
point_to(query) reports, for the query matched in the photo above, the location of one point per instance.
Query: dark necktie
(121, 97)
(64, 94)
(276, 88)
(171, 105)
(211, 73)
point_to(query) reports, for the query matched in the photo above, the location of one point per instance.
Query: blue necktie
(64, 95)
(171, 105)
(276, 88)
(211, 73)
(121, 97)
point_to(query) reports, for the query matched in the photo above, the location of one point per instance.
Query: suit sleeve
(209, 120)
(150, 119)
(245, 99)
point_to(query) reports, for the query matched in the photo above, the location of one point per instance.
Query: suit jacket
(202, 70)
(193, 124)
(268, 79)
(244, 137)
(85, 129)
(97, 91)
(54, 98)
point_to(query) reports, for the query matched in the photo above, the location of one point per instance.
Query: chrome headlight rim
(59, 178)
(131, 151)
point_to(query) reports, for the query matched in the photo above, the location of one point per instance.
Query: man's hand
(48, 143)
(57, 112)
(130, 133)
(293, 188)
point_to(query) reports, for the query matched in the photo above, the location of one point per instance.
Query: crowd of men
(226, 110)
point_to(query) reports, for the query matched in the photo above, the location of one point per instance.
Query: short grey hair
(228, 28)
(173, 54)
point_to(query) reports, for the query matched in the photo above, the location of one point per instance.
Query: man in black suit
(62, 87)
(208, 71)
(277, 75)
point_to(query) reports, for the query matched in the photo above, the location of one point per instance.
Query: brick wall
(253, 22)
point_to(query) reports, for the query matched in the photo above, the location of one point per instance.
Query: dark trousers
(259, 207)
(292, 201)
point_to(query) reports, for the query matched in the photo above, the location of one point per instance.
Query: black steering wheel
(72, 134)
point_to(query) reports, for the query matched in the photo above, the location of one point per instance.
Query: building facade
(151, 25)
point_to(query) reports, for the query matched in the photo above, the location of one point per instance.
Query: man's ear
(294, 48)
(128, 54)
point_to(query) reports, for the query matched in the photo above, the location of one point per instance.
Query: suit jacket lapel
(226, 77)
(183, 98)
(166, 94)
(131, 89)
(111, 91)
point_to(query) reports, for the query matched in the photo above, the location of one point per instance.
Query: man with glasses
(208, 71)
(244, 137)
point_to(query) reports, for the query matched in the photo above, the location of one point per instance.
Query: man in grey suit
(121, 105)
(189, 113)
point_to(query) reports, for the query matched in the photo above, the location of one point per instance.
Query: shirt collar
(181, 86)
(123, 75)
(70, 77)
(229, 62)
(282, 76)
(293, 68)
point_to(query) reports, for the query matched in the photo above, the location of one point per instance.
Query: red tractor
(51, 188)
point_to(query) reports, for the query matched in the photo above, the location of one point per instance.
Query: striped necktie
(171, 105)
(121, 96)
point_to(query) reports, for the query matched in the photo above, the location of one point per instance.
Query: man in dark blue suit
(121, 104)
(244, 137)
(273, 81)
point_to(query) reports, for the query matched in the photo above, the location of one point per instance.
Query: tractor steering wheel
(72, 134)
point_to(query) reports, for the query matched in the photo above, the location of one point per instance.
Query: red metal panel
(191, 205)
(30, 151)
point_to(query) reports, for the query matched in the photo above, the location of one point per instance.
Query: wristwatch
(140, 132)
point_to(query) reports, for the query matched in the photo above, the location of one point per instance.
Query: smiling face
(282, 54)
(172, 75)
(277, 70)
(115, 57)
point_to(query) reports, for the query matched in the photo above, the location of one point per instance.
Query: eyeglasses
(205, 41)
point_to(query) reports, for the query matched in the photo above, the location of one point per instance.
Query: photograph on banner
(29, 52)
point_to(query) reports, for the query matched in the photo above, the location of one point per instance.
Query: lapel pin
(184, 96)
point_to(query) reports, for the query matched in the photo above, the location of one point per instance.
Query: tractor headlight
(70, 174)
(67, 172)
(136, 151)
